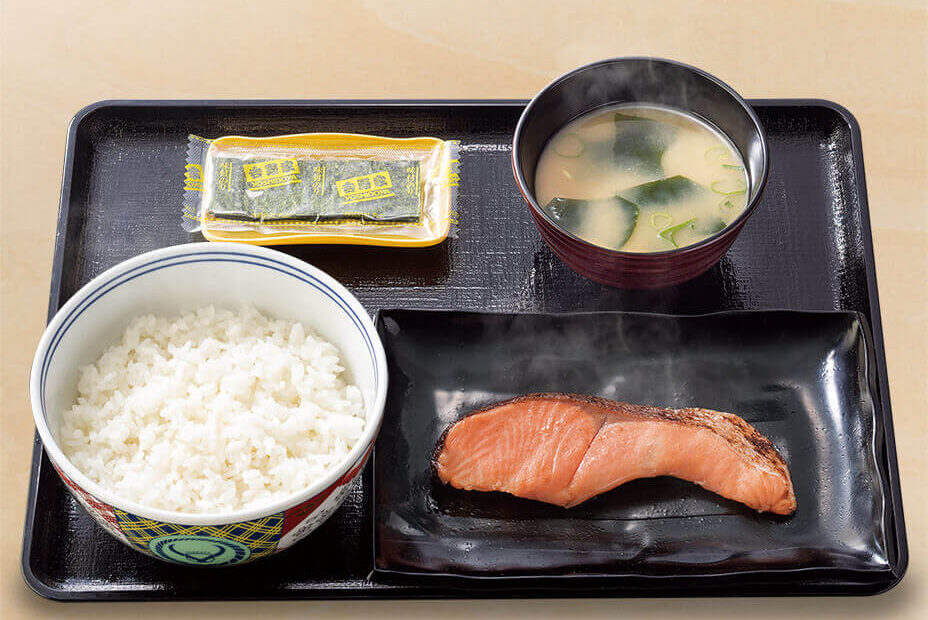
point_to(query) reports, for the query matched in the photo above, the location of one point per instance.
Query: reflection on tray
(360, 266)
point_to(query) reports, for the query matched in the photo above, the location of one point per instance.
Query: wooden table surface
(57, 56)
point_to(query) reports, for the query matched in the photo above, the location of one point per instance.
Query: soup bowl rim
(695, 247)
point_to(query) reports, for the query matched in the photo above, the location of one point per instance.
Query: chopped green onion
(571, 145)
(726, 205)
(717, 153)
(661, 220)
(732, 167)
(712, 226)
(726, 187)
(670, 233)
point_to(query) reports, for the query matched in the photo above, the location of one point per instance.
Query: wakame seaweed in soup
(682, 179)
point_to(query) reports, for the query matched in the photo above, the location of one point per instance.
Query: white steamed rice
(212, 411)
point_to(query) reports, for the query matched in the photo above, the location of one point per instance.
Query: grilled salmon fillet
(565, 449)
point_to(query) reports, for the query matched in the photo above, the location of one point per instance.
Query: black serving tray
(808, 247)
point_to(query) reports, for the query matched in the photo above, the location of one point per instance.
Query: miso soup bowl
(167, 282)
(637, 81)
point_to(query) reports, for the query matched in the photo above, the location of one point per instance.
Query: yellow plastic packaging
(322, 188)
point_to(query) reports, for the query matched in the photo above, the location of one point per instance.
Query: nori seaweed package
(321, 188)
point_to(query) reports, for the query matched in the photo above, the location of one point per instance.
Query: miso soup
(641, 179)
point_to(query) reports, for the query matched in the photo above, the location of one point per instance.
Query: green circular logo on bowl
(199, 550)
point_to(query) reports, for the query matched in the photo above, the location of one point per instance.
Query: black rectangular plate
(804, 380)
(808, 247)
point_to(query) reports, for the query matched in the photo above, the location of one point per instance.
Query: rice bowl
(171, 282)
